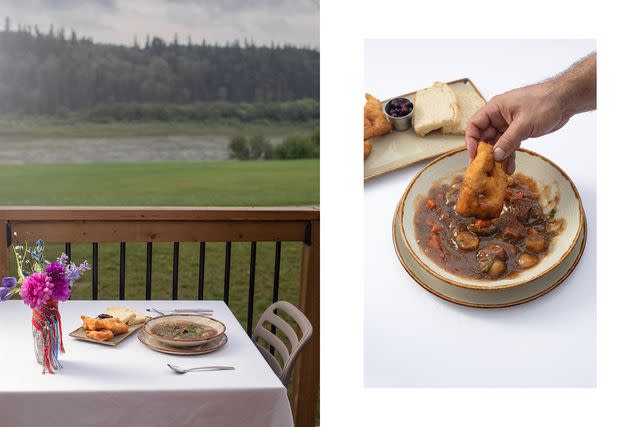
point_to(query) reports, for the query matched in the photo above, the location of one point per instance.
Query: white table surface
(131, 385)
(414, 339)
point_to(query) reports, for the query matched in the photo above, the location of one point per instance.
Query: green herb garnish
(488, 265)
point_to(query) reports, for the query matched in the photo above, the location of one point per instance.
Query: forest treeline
(301, 110)
(55, 71)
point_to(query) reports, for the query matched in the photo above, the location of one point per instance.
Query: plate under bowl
(195, 318)
(483, 298)
(547, 175)
(152, 343)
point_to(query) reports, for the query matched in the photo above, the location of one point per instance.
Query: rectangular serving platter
(80, 334)
(397, 150)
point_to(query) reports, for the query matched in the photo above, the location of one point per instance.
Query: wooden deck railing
(168, 224)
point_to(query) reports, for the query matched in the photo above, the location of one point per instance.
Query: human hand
(514, 116)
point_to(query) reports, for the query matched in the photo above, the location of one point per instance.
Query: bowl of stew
(184, 330)
(540, 224)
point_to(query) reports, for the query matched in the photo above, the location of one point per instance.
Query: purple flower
(63, 259)
(36, 289)
(9, 282)
(57, 276)
(75, 271)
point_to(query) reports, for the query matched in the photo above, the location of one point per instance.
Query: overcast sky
(118, 21)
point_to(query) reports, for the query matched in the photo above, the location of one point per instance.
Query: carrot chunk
(481, 223)
(533, 231)
(436, 228)
(435, 242)
(431, 203)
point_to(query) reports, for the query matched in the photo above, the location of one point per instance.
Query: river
(16, 150)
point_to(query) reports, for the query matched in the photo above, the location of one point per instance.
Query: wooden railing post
(306, 382)
(4, 250)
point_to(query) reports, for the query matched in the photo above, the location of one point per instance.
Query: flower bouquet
(41, 285)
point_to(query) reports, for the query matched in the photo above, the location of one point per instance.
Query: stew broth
(486, 249)
(183, 330)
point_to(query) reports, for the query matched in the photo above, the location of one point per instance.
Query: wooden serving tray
(81, 332)
(397, 150)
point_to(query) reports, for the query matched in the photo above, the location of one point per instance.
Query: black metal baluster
(94, 270)
(252, 282)
(67, 251)
(203, 248)
(276, 285)
(227, 272)
(176, 256)
(123, 260)
(149, 265)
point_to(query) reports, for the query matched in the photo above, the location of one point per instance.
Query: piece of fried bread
(483, 186)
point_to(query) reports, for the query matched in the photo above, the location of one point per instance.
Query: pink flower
(36, 289)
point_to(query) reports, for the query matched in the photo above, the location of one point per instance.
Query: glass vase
(46, 329)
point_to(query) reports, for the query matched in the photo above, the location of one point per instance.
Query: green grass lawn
(233, 183)
(229, 183)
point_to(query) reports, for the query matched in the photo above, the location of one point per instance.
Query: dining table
(130, 384)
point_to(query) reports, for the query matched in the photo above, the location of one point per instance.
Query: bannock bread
(435, 107)
(469, 101)
(128, 316)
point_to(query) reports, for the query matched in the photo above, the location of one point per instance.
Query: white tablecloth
(131, 385)
(430, 342)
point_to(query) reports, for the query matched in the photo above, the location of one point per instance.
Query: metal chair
(289, 357)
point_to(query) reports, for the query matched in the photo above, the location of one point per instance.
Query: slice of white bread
(469, 101)
(435, 107)
(128, 316)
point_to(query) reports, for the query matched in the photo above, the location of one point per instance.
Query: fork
(181, 370)
(181, 311)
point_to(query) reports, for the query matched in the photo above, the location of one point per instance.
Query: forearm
(576, 87)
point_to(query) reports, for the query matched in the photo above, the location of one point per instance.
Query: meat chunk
(514, 232)
(524, 209)
(491, 252)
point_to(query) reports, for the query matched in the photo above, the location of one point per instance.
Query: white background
(345, 400)
(548, 342)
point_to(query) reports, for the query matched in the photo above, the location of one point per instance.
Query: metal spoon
(181, 370)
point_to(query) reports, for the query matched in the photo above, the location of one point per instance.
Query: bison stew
(486, 249)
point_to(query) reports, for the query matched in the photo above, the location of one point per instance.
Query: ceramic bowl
(551, 181)
(218, 327)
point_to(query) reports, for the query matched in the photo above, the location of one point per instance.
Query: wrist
(575, 89)
(560, 93)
